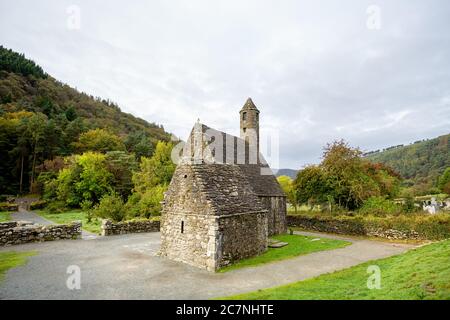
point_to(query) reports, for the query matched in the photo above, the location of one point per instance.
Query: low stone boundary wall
(24, 232)
(110, 228)
(8, 207)
(394, 230)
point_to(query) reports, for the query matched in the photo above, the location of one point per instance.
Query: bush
(408, 205)
(110, 207)
(147, 204)
(56, 207)
(379, 206)
(40, 204)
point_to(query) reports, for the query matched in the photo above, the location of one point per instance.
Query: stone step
(278, 244)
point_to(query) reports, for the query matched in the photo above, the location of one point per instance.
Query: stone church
(223, 201)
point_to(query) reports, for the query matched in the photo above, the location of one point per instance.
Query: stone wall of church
(241, 236)
(276, 216)
(187, 224)
(189, 238)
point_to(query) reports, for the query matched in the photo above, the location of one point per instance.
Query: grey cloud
(313, 68)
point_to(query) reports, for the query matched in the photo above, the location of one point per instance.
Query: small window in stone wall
(185, 176)
(182, 226)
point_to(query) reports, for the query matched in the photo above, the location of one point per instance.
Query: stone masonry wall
(351, 227)
(24, 232)
(241, 236)
(276, 216)
(189, 238)
(110, 228)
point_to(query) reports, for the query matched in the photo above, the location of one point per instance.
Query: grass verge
(5, 216)
(12, 259)
(422, 273)
(298, 245)
(93, 226)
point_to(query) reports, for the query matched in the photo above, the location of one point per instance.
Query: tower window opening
(182, 226)
(244, 116)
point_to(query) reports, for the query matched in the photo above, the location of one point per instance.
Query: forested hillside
(42, 118)
(420, 163)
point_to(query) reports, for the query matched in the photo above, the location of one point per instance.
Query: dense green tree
(311, 185)
(140, 144)
(121, 165)
(99, 140)
(71, 113)
(444, 181)
(287, 184)
(157, 170)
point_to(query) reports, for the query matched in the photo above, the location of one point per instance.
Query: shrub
(110, 207)
(408, 205)
(56, 207)
(147, 204)
(379, 206)
(38, 204)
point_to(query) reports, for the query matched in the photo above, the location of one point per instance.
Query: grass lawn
(422, 273)
(298, 245)
(5, 216)
(12, 259)
(66, 217)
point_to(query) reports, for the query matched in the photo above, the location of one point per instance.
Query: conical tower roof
(249, 105)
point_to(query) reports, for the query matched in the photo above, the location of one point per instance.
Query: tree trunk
(21, 175)
(32, 170)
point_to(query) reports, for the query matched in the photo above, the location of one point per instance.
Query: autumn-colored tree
(287, 184)
(157, 170)
(345, 178)
(99, 140)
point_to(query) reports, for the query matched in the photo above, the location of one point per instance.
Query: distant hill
(420, 163)
(42, 118)
(24, 86)
(287, 172)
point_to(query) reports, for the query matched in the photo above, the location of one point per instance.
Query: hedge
(411, 226)
(40, 204)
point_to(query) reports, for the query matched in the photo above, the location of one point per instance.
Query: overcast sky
(376, 73)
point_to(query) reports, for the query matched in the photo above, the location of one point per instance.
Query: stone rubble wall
(189, 238)
(350, 227)
(8, 207)
(241, 236)
(276, 215)
(110, 228)
(24, 232)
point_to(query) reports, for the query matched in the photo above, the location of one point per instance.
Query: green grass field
(422, 273)
(66, 217)
(5, 216)
(12, 259)
(298, 245)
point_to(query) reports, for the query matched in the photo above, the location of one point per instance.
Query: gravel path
(24, 215)
(126, 267)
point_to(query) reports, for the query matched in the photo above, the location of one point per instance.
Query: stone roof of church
(226, 189)
(258, 174)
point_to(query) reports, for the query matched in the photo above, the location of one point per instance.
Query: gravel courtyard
(126, 267)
